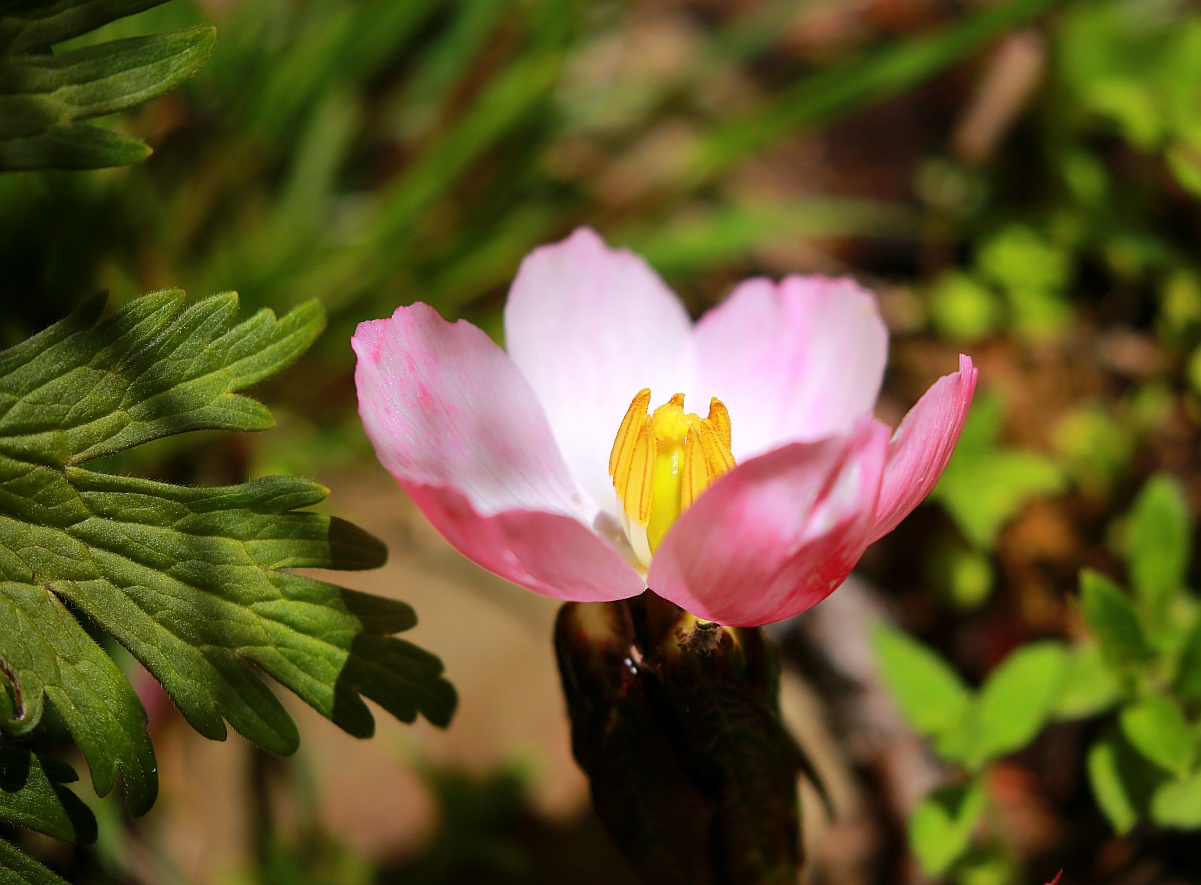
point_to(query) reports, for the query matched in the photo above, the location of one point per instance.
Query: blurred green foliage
(369, 153)
(1141, 666)
(376, 153)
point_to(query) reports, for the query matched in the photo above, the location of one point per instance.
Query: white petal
(793, 361)
(589, 327)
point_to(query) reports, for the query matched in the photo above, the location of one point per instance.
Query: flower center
(661, 462)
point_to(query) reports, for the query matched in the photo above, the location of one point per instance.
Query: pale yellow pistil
(662, 461)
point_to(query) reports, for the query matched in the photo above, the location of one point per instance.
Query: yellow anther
(719, 417)
(623, 446)
(661, 462)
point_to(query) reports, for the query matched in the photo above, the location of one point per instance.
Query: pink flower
(508, 454)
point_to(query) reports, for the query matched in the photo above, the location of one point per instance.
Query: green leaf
(1187, 681)
(1111, 617)
(33, 25)
(940, 828)
(45, 95)
(42, 97)
(1178, 803)
(18, 869)
(1158, 551)
(1157, 729)
(931, 695)
(1018, 698)
(32, 795)
(191, 580)
(1089, 685)
(1122, 780)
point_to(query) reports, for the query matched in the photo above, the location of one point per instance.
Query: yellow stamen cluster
(662, 461)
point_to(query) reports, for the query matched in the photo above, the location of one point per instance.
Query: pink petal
(589, 327)
(777, 534)
(798, 360)
(454, 421)
(548, 553)
(922, 445)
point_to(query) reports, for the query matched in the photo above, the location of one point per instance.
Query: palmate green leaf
(190, 580)
(44, 96)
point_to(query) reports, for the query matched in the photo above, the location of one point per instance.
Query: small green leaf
(931, 695)
(1178, 803)
(1187, 681)
(32, 795)
(1089, 685)
(1157, 729)
(1111, 617)
(1122, 780)
(1018, 698)
(1158, 552)
(18, 869)
(1184, 161)
(940, 828)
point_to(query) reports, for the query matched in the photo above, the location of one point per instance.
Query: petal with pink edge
(549, 553)
(798, 360)
(444, 406)
(453, 419)
(777, 534)
(922, 446)
(589, 327)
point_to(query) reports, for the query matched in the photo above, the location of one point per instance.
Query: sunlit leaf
(193, 581)
(1158, 548)
(1157, 729)
(1178, 803)
(940, 828)
(1018, 698)
(1122, 780)
(1089, 685)
(931, 695)
(1187, 681)
(1112, 619)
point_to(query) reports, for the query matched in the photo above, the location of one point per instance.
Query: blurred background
(1018, 180)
